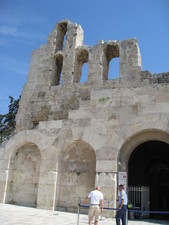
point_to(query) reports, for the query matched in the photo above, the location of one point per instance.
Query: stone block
(106, 166)
(43, 125)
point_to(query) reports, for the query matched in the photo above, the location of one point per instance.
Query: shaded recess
(58, 68)
(149, 166)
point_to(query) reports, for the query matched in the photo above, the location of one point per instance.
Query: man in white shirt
(121, 213)
(96, 202)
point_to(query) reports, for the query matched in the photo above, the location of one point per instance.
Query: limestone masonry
(71, 136)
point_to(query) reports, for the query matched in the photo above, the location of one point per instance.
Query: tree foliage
(8, 121)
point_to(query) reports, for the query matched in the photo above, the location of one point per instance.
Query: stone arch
(23, 176)
(22, 142)
(76, 174)
(136, 139)
(80, 59)
(24, 137)
(144, 156)
(142, 129)
(111, 51)
(61, 32)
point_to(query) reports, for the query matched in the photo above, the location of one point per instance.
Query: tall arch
(77, 168)
(23, 178)
(19, 146)
(136, 139)
(61, 33)
(145, 158)
(81, 58)
(111, 51)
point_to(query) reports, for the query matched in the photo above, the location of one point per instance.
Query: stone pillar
(95, 64)
(74, 38)
(106, 178)
(3, 175)
(47, 181)
(130, 59)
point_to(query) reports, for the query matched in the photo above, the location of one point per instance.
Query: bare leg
(90, 222)
(96, 223)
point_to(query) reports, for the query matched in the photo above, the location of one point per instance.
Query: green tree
(8, 121)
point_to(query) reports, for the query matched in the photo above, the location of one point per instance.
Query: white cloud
(14, 32)
(8, 30)
(21, 24)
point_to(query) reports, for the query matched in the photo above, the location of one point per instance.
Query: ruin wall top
(54, 85)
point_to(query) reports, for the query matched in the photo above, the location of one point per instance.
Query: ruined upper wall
(62, 59)
(53, 86)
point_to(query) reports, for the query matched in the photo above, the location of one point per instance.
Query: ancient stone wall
(70, 135)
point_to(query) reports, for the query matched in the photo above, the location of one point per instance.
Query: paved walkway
(18, 215)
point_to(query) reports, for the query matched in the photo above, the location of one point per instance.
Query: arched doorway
(23, 178)
(77, 169)
(148, 165)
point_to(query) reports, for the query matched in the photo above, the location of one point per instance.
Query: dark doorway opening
(149, 166)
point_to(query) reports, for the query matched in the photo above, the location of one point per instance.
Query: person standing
(122, 207)
(96, 205)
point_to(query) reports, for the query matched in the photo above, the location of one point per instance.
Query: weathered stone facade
(71, 136)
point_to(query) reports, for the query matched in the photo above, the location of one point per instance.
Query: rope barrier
(116, 209)
(148, 211)
(129, 210)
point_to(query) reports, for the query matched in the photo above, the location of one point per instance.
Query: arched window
(111, 63)
(81, 66)
(61, 36)
(113, 69)
(84, 73)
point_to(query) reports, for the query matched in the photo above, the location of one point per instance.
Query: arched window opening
(113, 69)
(58, 70)
(111, 63)
(61, 36)
(81, 66)
(64, 43)
(84, 73)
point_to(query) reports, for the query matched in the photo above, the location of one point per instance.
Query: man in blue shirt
(121, 213)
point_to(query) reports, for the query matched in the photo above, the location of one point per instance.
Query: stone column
(106, 178)
(74, 38)
(47, 182)
(130, 59)
(95, 64)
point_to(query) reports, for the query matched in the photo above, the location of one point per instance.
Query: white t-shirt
(95, 197)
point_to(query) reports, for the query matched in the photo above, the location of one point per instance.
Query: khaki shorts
(94, 211)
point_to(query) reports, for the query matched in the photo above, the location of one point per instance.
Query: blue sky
(25, 25)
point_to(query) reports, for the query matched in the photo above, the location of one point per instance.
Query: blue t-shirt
(123, 196)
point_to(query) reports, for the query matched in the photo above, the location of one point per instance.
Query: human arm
(101, 205)
(122, 202)
(85, 200)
